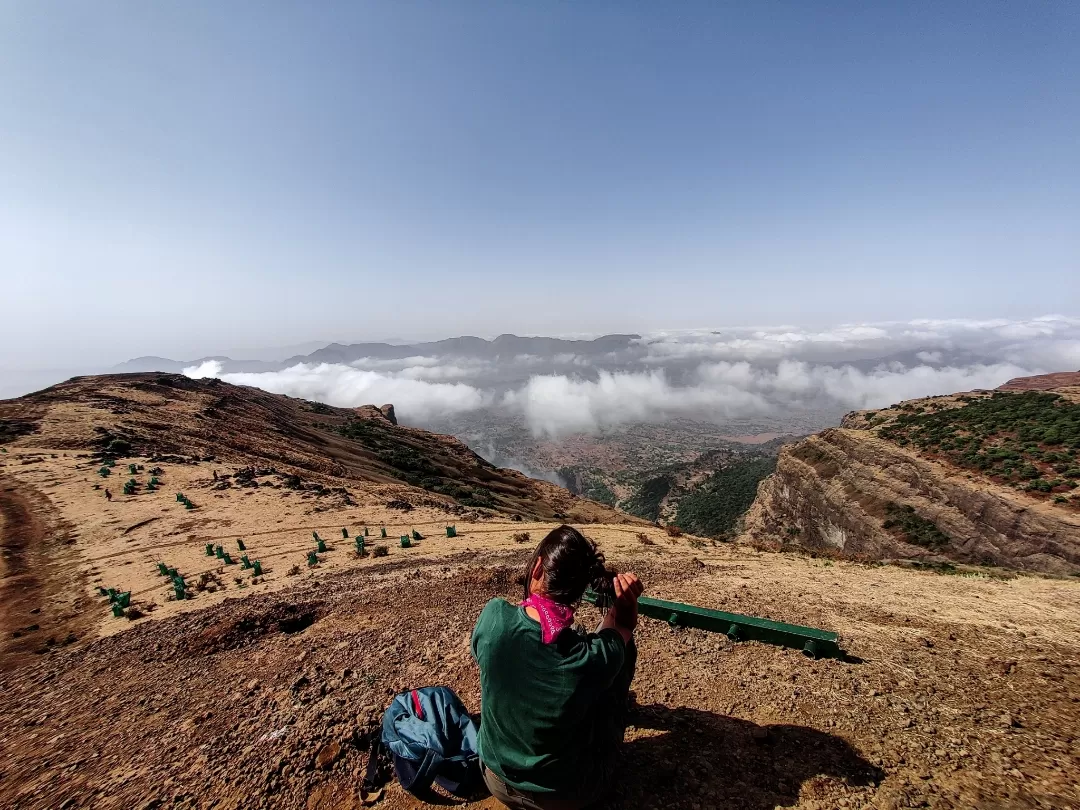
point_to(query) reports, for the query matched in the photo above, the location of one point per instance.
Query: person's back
(541, 701)
(553, 699)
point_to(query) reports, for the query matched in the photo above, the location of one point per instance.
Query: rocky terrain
(261, 690)
(985, 478)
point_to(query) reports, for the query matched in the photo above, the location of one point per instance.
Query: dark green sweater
(538, 721)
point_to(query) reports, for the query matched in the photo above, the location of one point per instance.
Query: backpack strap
(371, 773)
(418, 709)
(426, 772)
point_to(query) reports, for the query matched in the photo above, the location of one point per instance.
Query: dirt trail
(42, 599)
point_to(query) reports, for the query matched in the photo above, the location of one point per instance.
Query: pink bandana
(554, 617)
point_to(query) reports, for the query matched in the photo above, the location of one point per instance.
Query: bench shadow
(711, 760)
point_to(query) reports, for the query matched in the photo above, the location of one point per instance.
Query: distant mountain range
(504, 348)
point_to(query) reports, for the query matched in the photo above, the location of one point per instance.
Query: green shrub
(914, 528)
(119, 447)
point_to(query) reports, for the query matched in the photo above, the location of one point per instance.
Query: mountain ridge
(466, 345)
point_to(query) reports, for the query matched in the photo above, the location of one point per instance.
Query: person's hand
(627, 590)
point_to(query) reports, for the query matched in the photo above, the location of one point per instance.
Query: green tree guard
(103, 591)
(219, 552)
(345, 533)
(117, 612)
(360, 545)
(240, 545)
(451, 531)
(322, 546)
(151, 487)
(209, 549)
(154, 480)
(384, 531)
(179, 497)
(405, 541)
(112, 594)
(129, 489)
(104, 472)
(366, 531)
(416, 535)
(312, 559)
(163, 569)
(189, 505)
(316, 536)
(131, 468)
(173, 573)
(245, 563)
(257, 565)
(179, 591)
(225, 558)
(123, 599)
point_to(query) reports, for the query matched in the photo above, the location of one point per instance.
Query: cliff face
(853, 491)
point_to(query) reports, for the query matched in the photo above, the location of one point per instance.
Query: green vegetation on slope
(715, 507)
(1031, 438)
(410, 466)
(645, 503)
(588, 483)
(915, 529)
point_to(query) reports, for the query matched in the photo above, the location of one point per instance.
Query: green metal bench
(813, 642)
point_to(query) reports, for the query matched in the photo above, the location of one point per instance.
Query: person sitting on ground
(554, 700)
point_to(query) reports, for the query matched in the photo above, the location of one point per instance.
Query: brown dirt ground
(965, 691)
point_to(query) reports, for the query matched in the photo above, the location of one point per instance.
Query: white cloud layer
(1050, 341)
(414, 401)
(713, 374)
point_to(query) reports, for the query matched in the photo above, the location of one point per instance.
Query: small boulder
(328, 755)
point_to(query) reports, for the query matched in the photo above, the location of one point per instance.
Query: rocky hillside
(987, 477)
(313, 445)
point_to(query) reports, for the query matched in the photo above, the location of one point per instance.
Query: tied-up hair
(570, 562)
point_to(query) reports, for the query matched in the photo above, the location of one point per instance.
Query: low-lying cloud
(415, 401)
(723, 374)
(1050, 341)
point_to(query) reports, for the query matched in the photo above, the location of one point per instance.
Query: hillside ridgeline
(155, 414)
(985, 478)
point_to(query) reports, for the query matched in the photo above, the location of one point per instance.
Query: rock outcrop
(852, 492)
(1044, 382)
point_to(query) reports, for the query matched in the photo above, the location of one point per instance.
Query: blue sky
(183, 178)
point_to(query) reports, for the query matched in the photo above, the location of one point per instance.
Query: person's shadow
(706, 759)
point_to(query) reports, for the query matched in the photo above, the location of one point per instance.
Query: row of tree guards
(405, 540)
(118, 600)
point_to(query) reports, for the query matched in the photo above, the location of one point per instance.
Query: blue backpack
(432, 738)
